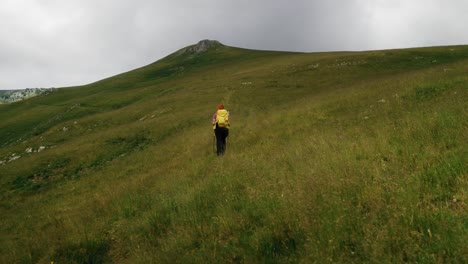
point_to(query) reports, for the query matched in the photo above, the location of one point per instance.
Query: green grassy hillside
(343, 157)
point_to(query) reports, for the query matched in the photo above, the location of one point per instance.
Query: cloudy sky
(57, 43)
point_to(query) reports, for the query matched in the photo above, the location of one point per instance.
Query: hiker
(221, 128)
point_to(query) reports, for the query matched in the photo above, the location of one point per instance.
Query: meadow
(339, 157)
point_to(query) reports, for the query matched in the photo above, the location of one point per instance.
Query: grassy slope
(333, 157)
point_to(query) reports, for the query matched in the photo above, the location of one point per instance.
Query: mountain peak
(202, 46)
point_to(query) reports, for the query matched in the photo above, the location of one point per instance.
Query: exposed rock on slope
(201, 47)
(10, 96)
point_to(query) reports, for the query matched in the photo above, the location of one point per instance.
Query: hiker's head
(220, 106)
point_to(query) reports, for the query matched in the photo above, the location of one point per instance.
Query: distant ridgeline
(10, 96)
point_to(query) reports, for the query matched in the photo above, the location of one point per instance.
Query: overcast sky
(57, 43)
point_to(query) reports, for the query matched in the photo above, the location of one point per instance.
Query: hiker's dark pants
(221, 135)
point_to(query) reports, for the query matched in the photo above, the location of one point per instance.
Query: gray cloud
(62, 43)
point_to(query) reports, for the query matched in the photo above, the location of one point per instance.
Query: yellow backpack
(222, 118)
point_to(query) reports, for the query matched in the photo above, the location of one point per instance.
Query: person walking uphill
(221, 128)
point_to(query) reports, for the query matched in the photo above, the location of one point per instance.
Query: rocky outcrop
(11, 96)
(14, 156)
(201, 47)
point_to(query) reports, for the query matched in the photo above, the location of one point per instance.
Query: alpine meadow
(334, 157)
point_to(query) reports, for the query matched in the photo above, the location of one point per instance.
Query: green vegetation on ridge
(332, 157)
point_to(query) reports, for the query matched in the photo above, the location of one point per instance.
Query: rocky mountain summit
(11, 96)
(200, 47)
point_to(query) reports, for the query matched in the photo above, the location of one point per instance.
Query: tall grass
(358, 163)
